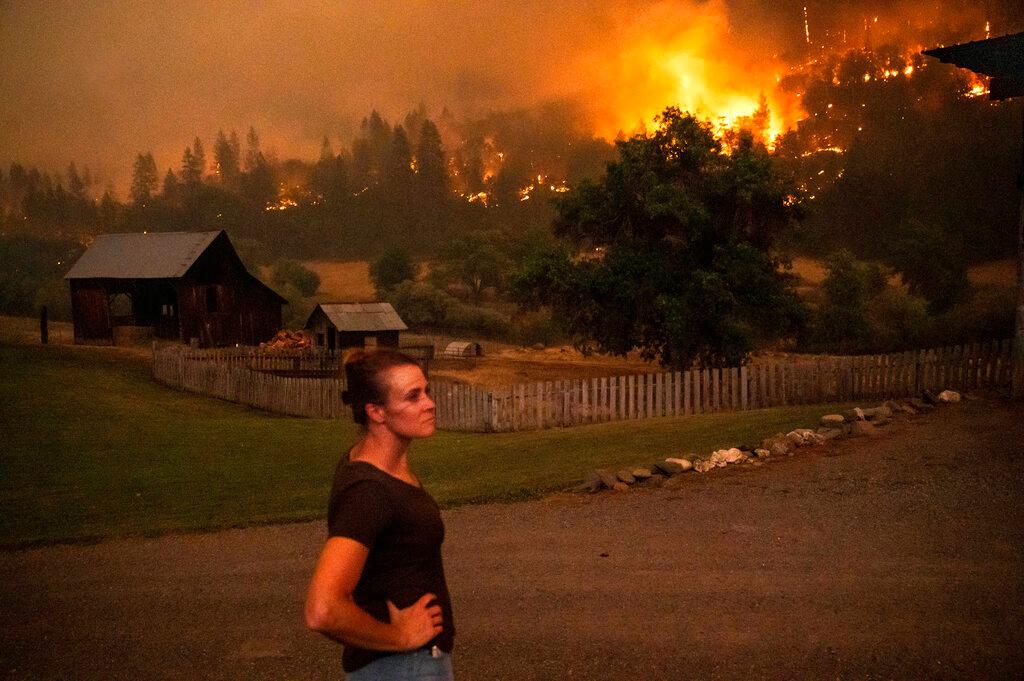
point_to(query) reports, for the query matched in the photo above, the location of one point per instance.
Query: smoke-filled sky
(98, 82)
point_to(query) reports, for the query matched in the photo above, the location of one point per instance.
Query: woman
(379, 586)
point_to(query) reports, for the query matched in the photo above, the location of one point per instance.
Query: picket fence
(263, 380)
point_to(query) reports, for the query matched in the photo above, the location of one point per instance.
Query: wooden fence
(245, 377)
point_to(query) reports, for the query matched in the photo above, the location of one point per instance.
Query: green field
(92, 448)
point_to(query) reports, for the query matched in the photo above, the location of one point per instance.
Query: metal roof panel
(363, 316)
(155, 255)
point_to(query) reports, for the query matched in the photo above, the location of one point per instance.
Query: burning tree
(670, 252)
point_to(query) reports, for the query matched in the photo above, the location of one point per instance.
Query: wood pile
(289, 340)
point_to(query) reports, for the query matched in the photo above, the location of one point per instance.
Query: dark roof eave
(1000, 58)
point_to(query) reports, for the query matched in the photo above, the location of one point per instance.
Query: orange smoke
(681, 54)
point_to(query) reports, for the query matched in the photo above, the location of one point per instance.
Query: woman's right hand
(418, 623)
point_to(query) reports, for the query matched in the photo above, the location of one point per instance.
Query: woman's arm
(331, 610)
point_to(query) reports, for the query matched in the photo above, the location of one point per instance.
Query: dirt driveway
(897, 557)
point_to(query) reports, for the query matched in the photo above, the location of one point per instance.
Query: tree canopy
(669, 252)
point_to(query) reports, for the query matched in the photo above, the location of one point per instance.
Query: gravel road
(892, 557)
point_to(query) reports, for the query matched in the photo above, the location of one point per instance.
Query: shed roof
(156, 255)
(361, 316)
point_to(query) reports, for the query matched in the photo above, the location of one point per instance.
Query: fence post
(743, 387)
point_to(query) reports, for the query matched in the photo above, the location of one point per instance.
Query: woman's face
(409, 411)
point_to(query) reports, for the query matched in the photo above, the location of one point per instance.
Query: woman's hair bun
(346, 397)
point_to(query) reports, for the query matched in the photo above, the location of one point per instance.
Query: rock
(876, 412)
(780, 447)
(929, 397)
(732, 455)
(863, 428)
(537, 346)
(827, 434)
(620, 487)
(905, 408)
(815, 439)
(855, 414)
(801, 436)
(762, 453)
(685, 464)
(607, 479)
(641, 473)
(832, 420)
(723, 457)
(703, 466)
(669, 468)
(626, 477)
(591, 484)
(948, 396)
(880, 421)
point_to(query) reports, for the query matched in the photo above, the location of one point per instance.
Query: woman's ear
(374, 412)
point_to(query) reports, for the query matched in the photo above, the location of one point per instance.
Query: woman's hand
(418, 623)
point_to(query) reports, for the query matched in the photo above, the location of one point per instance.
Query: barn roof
(361, 316)
(156, 255)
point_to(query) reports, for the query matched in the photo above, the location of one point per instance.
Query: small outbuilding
(463, 349)
(336, 326)
(172, 285)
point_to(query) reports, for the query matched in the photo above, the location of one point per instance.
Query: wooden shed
(173, 285)
(336, 326)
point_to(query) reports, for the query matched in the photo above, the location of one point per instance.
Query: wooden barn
(172, 285)
(336, 326)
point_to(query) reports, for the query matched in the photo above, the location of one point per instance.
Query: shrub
(391, 269)
(420, 304)
(536, 326)
(470, 318)
(292, 273)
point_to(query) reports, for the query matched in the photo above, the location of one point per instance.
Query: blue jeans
(416, 665)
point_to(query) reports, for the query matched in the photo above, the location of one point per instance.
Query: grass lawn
(92, 448)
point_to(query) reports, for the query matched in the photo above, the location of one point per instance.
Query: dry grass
(344, 281)
(811, 272)
(997, 272)
(25, 331)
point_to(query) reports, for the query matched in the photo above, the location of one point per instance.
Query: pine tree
(191, 168)
(144, 179)
(431, 170)
(398, 165)
(253, 156)
(170, 188)
(226, 158)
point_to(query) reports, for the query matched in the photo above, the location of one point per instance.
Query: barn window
(211, 299)
(167, 310)
(120, 305)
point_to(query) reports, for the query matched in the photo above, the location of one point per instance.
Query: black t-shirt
(401, 526)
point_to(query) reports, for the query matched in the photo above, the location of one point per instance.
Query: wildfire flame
(679, 55)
